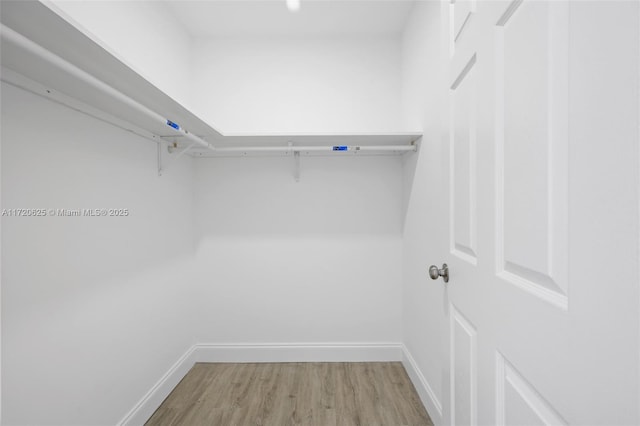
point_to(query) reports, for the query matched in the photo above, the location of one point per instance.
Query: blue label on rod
(172, 124)
(341, 148)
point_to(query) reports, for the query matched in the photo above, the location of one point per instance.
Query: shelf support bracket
(162, 168)
(296, 161)
(296, 166)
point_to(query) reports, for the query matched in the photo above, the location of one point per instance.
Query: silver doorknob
(434, 272)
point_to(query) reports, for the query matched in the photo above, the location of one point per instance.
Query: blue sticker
(341, 148)
(172, 124)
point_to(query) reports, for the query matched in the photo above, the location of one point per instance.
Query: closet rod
(336, 148)
(21, 41)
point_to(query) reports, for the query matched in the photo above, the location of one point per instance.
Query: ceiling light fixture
(293, 5)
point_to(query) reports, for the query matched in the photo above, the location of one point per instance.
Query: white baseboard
(426, 393)
(299, 352)
(141, 412)
(289, 352)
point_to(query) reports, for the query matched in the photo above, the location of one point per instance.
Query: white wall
(286, 262)
(94, 309)
(254, 84)
(294, 84)
(142, 34)
(314, 261)
(424, 301)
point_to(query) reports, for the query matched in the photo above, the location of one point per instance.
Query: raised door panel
(463, 208)
(463, 361)
(462, 10)
(531, 151)
(517, 401)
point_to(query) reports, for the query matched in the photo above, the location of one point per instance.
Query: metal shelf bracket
(296, 161)
(171, 150)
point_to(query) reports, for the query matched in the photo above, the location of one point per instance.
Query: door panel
(463, 165)
(517, 402)
(461, 11)
(531, 148)
(464, 364)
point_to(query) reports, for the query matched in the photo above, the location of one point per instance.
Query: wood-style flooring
(322, 394)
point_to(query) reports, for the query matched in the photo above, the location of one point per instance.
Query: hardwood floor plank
(279, 394)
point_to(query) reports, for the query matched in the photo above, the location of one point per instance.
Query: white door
(543, 296)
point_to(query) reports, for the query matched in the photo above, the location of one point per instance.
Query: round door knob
(443, 272)
(433, 272)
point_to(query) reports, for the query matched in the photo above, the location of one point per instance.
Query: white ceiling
(207, 18)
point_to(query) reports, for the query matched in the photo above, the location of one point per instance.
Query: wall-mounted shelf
(330, 143)
(47, 55)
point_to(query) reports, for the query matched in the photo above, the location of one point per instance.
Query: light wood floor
(322, 394)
